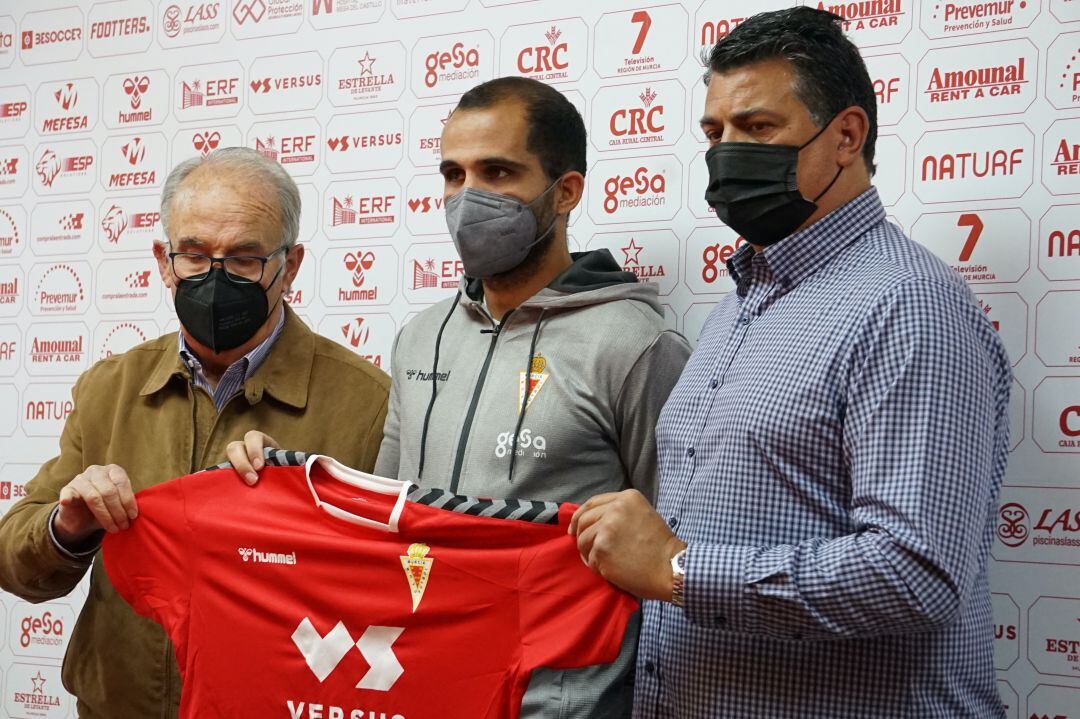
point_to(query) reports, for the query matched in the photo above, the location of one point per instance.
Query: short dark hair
(556, 130)
(830, 75)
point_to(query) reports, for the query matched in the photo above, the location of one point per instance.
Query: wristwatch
(678, 573)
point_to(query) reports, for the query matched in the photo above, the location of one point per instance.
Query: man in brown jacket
(168, 408)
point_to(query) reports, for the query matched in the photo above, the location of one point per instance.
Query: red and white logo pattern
(285, 83)
(879, 22)
(45, 408)
(204, 92)
(652, 255)
(960, 18)
(367, 74)
(982, 246)
(201, 140)
(365, 141)
(120, 27)
(1057, 416)
(10, 350)
(891, 76)
(62, 228)
(296, 144)
(551, 51)
(359, 275)
(1057, 343)
(128, 287)
(12, 290)
(426, 124)
(15, 171)
(1059, 243)
(643, 115)
(362, 209)
(117, 337)
(425, 214)
(1061, 157)
(451, 64)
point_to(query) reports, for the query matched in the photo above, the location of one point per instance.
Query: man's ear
(293, 259)
(853, 126)
(161, 254)
(568, 192)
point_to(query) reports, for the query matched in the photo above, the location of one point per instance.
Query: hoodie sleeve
(388, 463)
(643, 394)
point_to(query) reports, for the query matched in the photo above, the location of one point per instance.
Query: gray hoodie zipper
(459, 459)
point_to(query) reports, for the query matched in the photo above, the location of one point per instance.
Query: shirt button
(673, 522)
(689, 451)
(721, 621)
(745, 321)
(714, 384)
(650, 668)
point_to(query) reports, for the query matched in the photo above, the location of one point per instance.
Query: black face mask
(753, 190)
(219, 313)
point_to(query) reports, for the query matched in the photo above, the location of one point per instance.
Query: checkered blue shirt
(237, 373)
(832, 455)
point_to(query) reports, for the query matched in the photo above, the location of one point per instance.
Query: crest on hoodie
(538, 376)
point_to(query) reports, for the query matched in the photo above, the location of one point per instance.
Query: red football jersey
(327, 593)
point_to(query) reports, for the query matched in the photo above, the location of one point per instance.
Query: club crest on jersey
(538, 375)
(417, 566)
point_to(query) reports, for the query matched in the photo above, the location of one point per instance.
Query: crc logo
(632, 116)
(551, 52)
(638, 188)
(526, 440)
(323, 654)
(1013, 527)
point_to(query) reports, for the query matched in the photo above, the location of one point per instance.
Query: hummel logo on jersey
(324, 653)
(250, 554)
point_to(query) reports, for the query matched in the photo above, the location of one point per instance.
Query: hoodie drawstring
(524, 398)
(435, 382)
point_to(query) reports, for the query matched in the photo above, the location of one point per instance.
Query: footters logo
(120, 27)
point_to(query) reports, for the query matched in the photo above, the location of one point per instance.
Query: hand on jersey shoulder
(246, 456)
(623, 539)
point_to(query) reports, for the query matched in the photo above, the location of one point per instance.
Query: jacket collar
(284, 374)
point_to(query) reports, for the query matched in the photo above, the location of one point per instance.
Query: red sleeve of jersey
(149, 564)
(570, 616)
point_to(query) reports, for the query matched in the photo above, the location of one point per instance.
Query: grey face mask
(493, 233)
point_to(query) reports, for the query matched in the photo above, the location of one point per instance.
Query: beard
(533, 261)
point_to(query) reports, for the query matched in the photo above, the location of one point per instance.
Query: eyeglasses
(241, 269)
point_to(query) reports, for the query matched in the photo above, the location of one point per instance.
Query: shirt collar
(285, 373)
(800, 254)
(250, 361)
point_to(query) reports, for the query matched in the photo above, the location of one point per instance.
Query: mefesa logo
(51, 36)
(64, 167)
(370, 335)
(120, 27)
(451, 64)
(208, 91)
(359, 275)
(984, 246)
(636, 41)
(136, 99)
(991, 162)
(362, 209)
(293, 143)
(1059, 243)
(62, 228)
(1061, 153)
(634, 116)
(431, 272)
(66, 106)
(636, 189)
(873, 22)
(652, 255)
(367, 74)
(129, 223)
(285, 83)
(12, 231)
(134, 162)
(365, 141)
(977, 80)
(187, 22)
(551, 51)
(970, 17)
(57, 349)
(261, 18)
(1057, 415)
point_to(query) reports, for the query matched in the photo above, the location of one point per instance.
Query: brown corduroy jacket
(140, 411)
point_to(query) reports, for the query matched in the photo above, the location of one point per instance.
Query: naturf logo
(1013, 527)
(52, 36)
(361, 276)
(977, 80)
(261, 18)
(641, 189)
(66, 106)
(551, 52)
(132, 100)
(133, 162)
(61, 228)
(985, 246)
(323, 654)
(191, 23)
(971, 17)
(45, 408)
(65, 167)
(293, 143)
(637, 41)
(714, 21)
(367, 74)
(362, 208)
(635, 116)
(208, 91)
(982, 163)
(1061, 148)
(364, 142)
(451, 64)
(128, 224)
(1059, 242)
(873, 22)
(285, 83)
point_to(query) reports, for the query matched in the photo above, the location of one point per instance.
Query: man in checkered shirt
(831, 457)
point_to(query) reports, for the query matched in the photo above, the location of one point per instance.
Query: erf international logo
(12, 231)
(285, 83)
(293, 143)
(261, 18)
(203, 92)
(1038, 525)
(359, 275)
(190, 22)
(451, 64)
(628, 117)
(1059, 243)
(977, 80)
(552, 51)
(982, 246)
(367, 74)
(65, 167)
(119, 27)
(1061, 153)
(339, 13)
(135, 99)
(362, 209)
(638, 41)
(365, 141)
(431, 272)
(370, 336)
(66, 106)
(62, 228)
(134, 162)
(652, 255)
(635, 189)
(1054, 636)
(984, 163)
(51, 36)
(958, 18)
(877, 22)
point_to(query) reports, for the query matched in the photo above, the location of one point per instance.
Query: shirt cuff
(715, 588)
(75, 556)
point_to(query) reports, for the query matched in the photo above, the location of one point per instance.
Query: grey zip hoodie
(598, 363)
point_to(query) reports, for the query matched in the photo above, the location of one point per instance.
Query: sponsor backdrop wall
(979, 157)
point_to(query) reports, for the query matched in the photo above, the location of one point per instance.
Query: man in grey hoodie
(543, 377)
